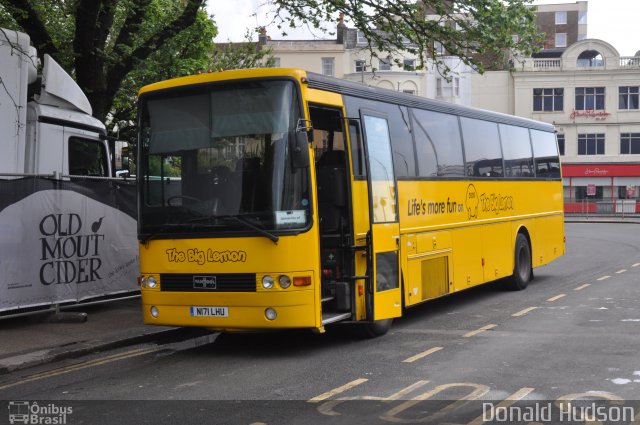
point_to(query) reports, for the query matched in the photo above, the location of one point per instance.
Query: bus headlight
(267, 282)
(152, 282)
(155, 312)
(284, 281)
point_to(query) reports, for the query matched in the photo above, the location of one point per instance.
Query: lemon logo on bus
(472, 202)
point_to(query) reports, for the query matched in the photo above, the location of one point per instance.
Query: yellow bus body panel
(294, 256)
(458, 234)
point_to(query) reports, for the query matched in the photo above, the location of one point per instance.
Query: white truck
(52, 131)
(67, 229)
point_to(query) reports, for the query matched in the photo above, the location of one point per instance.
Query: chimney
(341, 29)
(262, 37)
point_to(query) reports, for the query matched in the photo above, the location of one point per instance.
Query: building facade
(591, 94)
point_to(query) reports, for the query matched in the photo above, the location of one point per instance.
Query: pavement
(37, 339)
(32, 340)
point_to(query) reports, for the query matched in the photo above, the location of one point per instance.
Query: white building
(591, 95)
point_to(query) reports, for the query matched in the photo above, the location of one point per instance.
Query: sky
(614, 21)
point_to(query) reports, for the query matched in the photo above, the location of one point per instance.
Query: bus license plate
(209, 311)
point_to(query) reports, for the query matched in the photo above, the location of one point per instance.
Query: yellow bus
(279, 198)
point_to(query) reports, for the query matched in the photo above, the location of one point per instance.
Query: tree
(113, 47)
(468, 29)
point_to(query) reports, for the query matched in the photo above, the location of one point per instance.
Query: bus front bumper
(232, 311)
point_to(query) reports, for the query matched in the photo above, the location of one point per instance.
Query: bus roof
(349, 88)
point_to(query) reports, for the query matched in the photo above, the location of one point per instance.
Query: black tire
(376, 329)
(522, 270)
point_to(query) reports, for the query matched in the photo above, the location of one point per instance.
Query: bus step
(327, 299)
(334, 317)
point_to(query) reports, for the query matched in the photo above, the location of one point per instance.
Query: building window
(361, 39)
(409, 64)
(361, 66)
(590, 98)
(561, 39)
(591, 144)
(439, 87)
(438, 47)
(561, 18)
(548, 99)
(560, 138)
(456, 86)
(328, 66)
(628, 97)
(582, 18)
(275, 63)
(630, 143)
(384, 64)
(409, 91)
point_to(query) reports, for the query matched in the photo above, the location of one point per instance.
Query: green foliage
(467, 29)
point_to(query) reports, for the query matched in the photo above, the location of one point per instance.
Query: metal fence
(603, 207)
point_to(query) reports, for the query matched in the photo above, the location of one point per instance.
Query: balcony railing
(629, 61)
(547, 64)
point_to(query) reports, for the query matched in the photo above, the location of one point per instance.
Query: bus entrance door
(384, 235)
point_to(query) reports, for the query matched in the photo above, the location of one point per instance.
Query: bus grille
(240, 282)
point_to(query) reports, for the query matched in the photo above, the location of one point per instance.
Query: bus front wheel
(522, 270)
(376, 328)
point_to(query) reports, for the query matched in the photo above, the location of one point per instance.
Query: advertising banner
(66, 241)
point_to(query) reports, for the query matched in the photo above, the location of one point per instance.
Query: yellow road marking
(604, 278)
(621, 271)
(338, 390)
(523, 312)
(556, 298)
(421, 355)
(80, 366)
(477, 331)
(581, 287)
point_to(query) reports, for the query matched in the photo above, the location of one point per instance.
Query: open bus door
(383, 286)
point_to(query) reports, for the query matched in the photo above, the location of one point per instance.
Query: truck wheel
(522, 270)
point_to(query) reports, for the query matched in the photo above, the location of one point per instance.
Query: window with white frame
(561, 39)
(456, 86)
(628, 97)
(384, 64)
(590, 98)
(582, 18)
(560, 138)
(561, 18)
(361, 65)
(328, 66)
(591, 144)
(409, 64)
(630, 143)
(408, 91)
(439, 87)
(360, 38)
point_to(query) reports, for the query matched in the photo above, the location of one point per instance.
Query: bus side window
(482, 148)
(545, 151)
(357, 149)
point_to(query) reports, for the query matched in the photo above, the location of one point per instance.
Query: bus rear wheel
(522, 270)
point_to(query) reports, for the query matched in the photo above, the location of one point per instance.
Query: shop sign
(590, 113)
(591, 190)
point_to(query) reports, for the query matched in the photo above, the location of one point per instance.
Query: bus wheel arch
(523, 263)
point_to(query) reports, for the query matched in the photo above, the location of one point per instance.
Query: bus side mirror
(299, 149)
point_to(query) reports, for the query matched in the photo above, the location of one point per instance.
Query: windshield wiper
(273, 238)
(146, 238)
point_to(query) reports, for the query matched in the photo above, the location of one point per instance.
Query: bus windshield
(217, 160)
